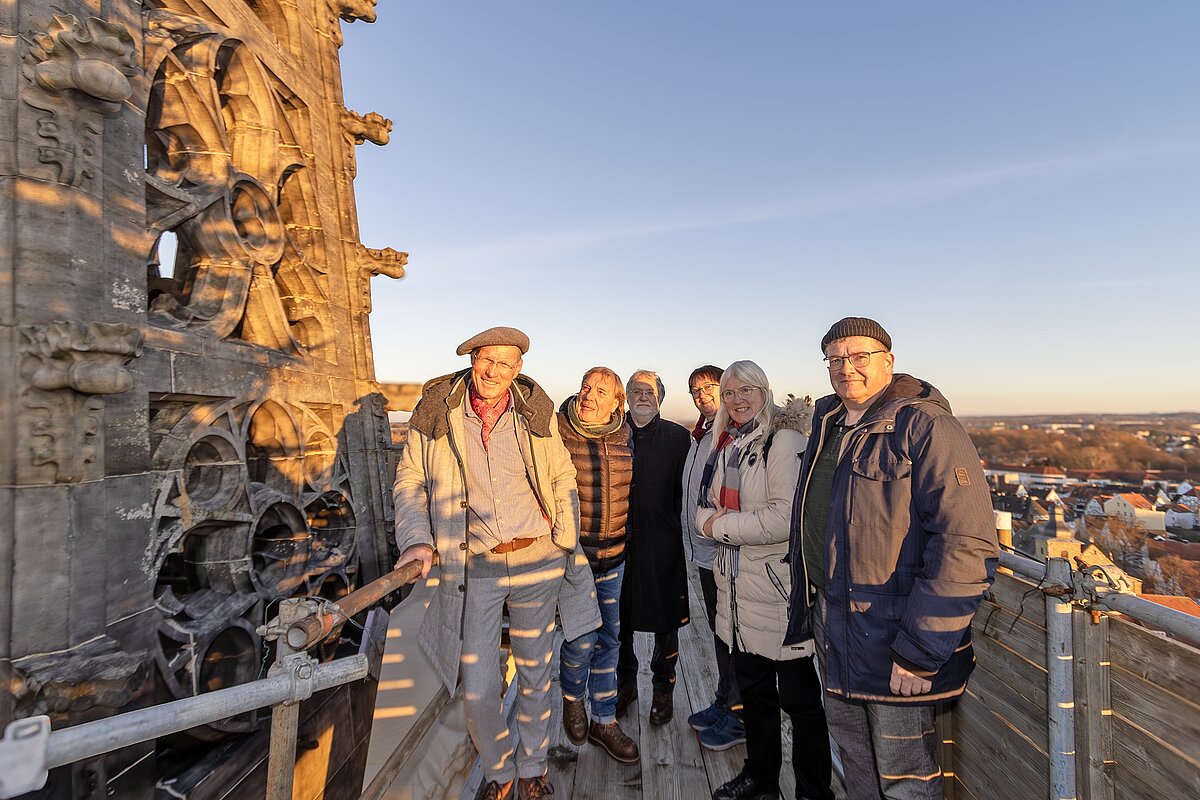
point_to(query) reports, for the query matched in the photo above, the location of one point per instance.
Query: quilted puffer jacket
(603, 473)
(753, 582)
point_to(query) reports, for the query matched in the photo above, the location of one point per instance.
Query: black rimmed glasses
(857, 360)
(708, 388)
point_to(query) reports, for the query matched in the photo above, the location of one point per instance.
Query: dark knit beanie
(857, 326)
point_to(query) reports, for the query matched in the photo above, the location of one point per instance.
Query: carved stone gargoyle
(371, 127)
(374, 262)
(348, 11)
(351, 10)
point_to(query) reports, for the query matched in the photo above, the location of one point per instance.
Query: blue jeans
(588, 665)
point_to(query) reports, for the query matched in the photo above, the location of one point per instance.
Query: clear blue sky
(1012, 190)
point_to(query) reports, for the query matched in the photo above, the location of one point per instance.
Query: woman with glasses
(745, 507)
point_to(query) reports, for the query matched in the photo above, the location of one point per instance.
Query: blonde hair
(612, 376)
(752, 374)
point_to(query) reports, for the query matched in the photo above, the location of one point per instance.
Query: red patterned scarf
(488, 414)
(730, 494)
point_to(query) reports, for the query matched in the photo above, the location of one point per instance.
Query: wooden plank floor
(674, 766)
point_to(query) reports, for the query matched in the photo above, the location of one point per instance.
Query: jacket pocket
(880, 605)
(880, 500)
(777, 583)
(882, 465)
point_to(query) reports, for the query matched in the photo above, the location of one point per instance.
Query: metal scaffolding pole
(30, 749)
(1060, 680)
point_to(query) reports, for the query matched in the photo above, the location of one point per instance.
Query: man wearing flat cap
(893, 544)
(486, 483)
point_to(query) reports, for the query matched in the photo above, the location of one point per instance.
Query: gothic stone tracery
(188, 366)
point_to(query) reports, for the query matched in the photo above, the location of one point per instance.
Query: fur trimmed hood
(796, 413)
(443, 394)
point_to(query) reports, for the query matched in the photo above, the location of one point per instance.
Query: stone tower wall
(188, 441)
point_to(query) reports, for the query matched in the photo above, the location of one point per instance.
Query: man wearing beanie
(892, 546)
(485, 481)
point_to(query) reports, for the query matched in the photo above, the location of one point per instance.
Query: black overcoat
(654, 593)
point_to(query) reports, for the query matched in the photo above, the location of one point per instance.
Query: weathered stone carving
(79, 74)
(66, 434)
(371, 127)
(66, 365)
(349, 11)
(249, 262)
(357, 129)
(90, 359)
(385, 261)
(234, 464)
(254, 505)
(97, 674)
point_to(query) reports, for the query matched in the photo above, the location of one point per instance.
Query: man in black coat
(654, 595)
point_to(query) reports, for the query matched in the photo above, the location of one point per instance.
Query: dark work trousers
(888, 752)
(662, 661)
(728, 695)
(791, 686)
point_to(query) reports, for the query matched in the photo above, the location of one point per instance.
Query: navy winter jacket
(910, 546)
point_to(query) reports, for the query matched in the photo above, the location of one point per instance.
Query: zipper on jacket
(688, 525)
(775, 580)
(536, 483)
(605, 491)
(462, 473)
(809, 592)
(858, 434)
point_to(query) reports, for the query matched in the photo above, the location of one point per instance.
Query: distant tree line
(1100, 449)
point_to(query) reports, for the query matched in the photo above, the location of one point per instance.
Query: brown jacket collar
(442, 395)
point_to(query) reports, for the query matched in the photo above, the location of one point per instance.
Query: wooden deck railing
(1134, 702)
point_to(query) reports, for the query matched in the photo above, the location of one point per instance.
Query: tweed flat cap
(493, 337)
(856, 326)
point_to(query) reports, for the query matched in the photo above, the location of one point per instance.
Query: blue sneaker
(725, 734)
(706, 718)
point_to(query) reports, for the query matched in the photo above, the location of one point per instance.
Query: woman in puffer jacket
(746, 506)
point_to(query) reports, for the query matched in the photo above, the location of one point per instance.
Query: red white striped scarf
(730, 495)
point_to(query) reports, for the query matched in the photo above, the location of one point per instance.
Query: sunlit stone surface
(193, 427)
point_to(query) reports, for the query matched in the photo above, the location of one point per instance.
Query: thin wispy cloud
(472, 262)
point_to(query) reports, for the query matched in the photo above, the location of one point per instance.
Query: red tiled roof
(1137, 501)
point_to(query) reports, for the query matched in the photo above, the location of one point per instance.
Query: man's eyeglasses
(708, 388)
(857, 360)
(743, 393)
(488, 363)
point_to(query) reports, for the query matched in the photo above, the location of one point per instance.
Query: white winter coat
(753, 582)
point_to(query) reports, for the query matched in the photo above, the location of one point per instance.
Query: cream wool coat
(753, 582)
(431, 509)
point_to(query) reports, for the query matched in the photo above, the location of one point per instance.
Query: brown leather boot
(497, 791)
(615, 741)
(575, 721)
(534, 788)
(662, 708)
